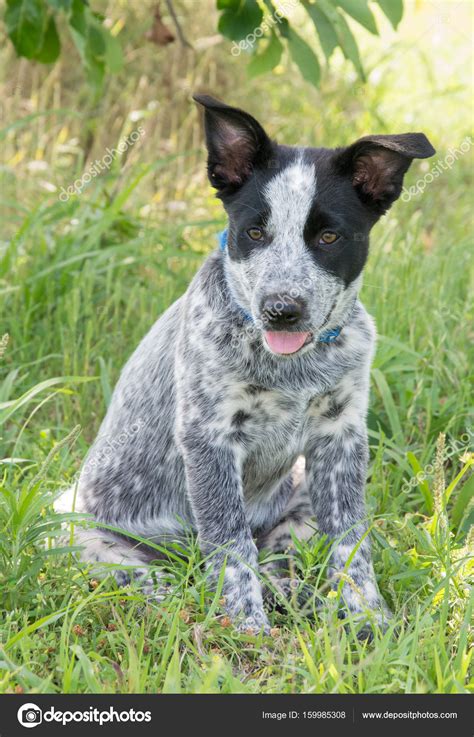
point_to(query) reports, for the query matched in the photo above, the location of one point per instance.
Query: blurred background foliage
(53, 123)
(32, 26)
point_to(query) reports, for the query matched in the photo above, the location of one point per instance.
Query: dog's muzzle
(281, 317)
(280, 313)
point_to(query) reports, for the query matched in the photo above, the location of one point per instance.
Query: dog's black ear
(377, 164)
(236, 144)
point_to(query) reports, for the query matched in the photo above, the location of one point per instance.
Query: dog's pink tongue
(282, 342)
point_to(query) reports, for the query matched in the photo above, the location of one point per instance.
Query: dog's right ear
(377, 165)
(236, 144)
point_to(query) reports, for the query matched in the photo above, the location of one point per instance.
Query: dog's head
(299, 220)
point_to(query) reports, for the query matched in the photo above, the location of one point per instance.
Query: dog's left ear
(377, 164)
(236, 144)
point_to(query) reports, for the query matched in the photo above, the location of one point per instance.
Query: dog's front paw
(246, 613)
(252, 624)
(282, 593)
(242, 599)
(368, 623)
(367, 620)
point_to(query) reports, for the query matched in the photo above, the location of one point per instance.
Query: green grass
(81, 282)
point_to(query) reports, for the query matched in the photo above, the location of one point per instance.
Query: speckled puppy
(265, 358)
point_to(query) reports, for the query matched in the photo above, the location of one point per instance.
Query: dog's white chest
(268, 426)
(266, 418)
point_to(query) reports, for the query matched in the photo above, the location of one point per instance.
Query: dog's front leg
(336, 460)
(215, 493)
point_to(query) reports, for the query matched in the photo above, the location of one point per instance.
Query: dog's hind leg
(296, 521)
(111, 554)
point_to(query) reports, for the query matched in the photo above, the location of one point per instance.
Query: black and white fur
(212, 421)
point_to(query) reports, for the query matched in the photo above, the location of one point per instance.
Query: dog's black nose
(281, 311)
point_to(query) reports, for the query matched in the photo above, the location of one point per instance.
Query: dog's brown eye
(328, 238)
(256, 234)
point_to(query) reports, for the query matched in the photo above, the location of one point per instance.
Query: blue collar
(327, 337)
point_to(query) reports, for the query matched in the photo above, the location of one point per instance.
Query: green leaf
(96, 38)
(345, 38)
(65, 5)
(113, 54)
(349, 47)
(172, 683)
(422, 483)
(327, 34)
(87, 669)
(78, 18)
(49, 52)
(105, 381)
(240, 19)
(302, 54)
(90, 38)
(26, 22)
(268, 59)
(466, 494)
(7, 409)
(223, 4)
(95, 68)
(360, 11)
(308, 659)
(393, 9)
(388, 403)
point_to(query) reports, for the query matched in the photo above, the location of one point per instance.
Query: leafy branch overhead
(265, 30)
(261, 28)
(32, 26)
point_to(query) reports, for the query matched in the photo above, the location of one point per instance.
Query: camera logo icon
(30, 715)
